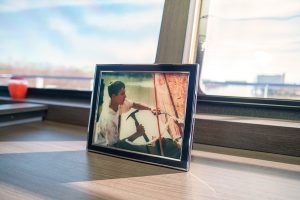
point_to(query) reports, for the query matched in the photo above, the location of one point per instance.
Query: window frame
(269, 101)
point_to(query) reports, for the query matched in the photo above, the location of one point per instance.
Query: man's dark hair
(114, 87)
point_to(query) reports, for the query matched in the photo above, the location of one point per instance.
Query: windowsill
(52, 101)
(63, 110)
(233, 130)
(249, 120)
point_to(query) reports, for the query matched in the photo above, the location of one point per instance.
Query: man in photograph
(110, 118)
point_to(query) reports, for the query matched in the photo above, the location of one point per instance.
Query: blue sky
(79, 33)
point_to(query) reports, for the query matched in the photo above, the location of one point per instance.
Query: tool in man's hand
(137, 123)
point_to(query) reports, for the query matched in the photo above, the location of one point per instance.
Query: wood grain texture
(52, 163)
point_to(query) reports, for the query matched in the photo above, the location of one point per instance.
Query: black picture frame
(173, 102)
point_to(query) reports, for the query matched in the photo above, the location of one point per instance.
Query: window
(251, 48)
(56, 44)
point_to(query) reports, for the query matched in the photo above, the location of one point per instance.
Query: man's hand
(155, 111)
(140, 131)
(178, 142)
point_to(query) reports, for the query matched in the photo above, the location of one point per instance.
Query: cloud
(255, 8)
(125, 21)
(21, 5)
(71, 45)
(85, 53)
(61, 25)
(79, 50)
(86, 49)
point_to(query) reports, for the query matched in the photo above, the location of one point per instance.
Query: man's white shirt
(109, 121)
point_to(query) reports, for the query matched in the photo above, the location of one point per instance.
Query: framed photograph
(144, 113)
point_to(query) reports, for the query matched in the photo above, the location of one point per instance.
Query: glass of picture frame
(144, 112)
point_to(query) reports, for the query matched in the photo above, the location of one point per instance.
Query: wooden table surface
(47, 160)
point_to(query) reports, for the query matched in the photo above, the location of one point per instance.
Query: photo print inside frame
(144, 112)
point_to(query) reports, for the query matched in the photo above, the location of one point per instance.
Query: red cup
(17, 87)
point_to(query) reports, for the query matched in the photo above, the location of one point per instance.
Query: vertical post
(39, 83)
(178, 39)
(266, 89)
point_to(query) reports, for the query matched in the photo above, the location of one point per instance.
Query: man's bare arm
(140, 106)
